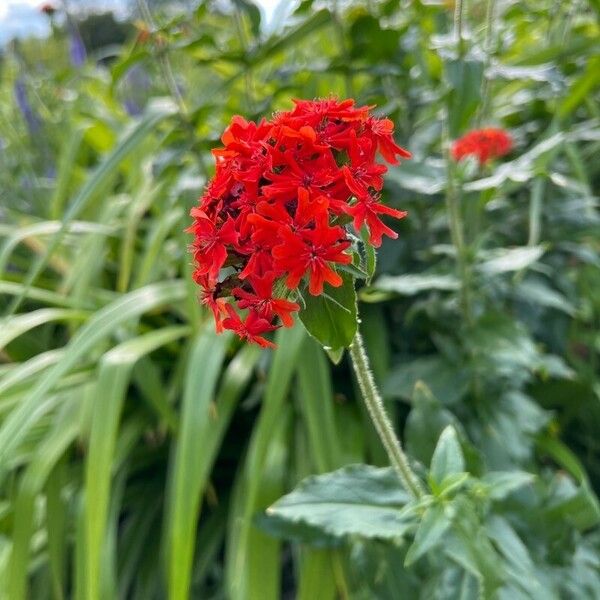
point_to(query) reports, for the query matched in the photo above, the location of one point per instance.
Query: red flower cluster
(485, 144)
(273, 216)
(48, 9)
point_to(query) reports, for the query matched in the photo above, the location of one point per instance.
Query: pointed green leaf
(358, 500)
(332, 317)
(432, 527)
(447, 458)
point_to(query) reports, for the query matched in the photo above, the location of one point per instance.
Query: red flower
(311, 251)
(48, 9)
(251, 328)
(366, 210)
(363, 173)
(209, 298)
(263, 303)
(382, 130)
(210, 248)
(484, 144)
(272, 223)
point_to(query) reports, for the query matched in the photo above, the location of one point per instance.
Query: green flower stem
(487, 49)
(458, 237)
(458, 27)
(169, 79)
(535, 211)
(380, 419)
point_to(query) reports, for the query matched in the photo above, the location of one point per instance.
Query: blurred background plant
(139, 452)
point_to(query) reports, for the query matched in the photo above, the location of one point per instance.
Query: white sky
(22, 17)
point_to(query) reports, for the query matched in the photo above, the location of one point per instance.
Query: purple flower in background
(31, 118)
(76, 47)
(136, 86)
(132, 108)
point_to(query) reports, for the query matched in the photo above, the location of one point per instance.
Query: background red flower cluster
(273, 216)
(484, 144)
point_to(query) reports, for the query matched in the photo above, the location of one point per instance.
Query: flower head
(484, 144)
(273, 222)
(48, 9)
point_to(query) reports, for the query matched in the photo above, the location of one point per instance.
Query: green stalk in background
(453, 188)
(457, 234)
(487, 49)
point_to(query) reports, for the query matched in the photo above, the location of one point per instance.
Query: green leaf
(97, 180)
(464, 78)
(447, 458)
(43, 228)
(582, 88)
(427, 177)
(502, 483)
(317, 406)
(332, 317)
(111, 389)
(49, 451)
(16, 325)
(248, 7)
(435, 523)
(508, 430)
(521, 170)
(370, 261)
(279, 43)
(502, 348)
(581, 506)
(469, 546)
(452, 483)
(354, 269)
(511, 259)
(335, 355)
(410, 285)
(522, 568)
(425, 423)
(447, 382)
(315, 579)
(358, 500)
(257, 485)
(537, 293)
(186, 479)
(97, 328)
(472, 549)
(369, 258)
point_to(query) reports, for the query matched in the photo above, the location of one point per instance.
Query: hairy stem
(380, 419)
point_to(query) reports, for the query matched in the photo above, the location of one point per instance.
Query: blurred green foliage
(139, 451)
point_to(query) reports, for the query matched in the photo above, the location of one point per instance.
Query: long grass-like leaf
(15, 326)
(113, 379)
(47, 228)
(316, 568)
(48, 453)
(23, 371)
(57, 524)
(102, 324)
(252, 475)
(185, 484)
(96, 181)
